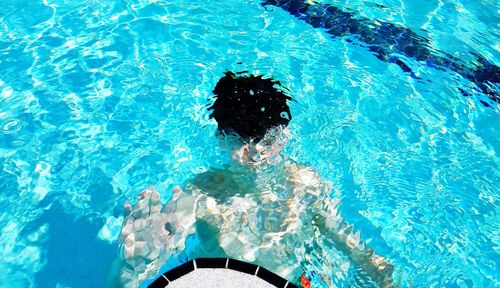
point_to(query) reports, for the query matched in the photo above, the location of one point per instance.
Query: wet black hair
(249, 105)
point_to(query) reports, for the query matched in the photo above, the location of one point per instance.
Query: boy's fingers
(155, 205)
(129, 248)
(141, 209)
(177, 193)
(145, 194)
(127, 208)
(172, 204)
(155, 196)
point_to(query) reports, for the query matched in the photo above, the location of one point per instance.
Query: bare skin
(244, 212)
(201, 204)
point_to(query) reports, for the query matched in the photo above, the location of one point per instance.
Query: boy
(257, 208)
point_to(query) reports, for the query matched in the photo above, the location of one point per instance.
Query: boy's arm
(330, 223)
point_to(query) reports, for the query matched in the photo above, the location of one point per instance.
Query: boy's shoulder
(302, 173)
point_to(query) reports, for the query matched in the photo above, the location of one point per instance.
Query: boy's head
(254, 111)
(249, 106)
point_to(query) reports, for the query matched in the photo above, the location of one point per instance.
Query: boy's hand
(146, 239)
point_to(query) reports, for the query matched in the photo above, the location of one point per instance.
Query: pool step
(220, 272)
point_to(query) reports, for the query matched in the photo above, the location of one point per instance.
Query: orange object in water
(305, 282)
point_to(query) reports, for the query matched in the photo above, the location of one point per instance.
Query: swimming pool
(99, 100)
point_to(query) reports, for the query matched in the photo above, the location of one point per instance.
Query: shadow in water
(75, 256)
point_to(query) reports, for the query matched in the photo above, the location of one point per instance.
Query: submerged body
(255, 215)
(259, 219)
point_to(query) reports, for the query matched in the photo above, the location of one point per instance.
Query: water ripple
(11, 126)
(112, 96)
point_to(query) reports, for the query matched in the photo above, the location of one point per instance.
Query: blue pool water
(101, 99)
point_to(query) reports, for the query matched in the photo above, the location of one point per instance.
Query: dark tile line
(160, 282)
(387, 40)
(221, 263)
(179, 271)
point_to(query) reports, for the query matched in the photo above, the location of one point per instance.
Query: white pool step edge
(221, 273)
